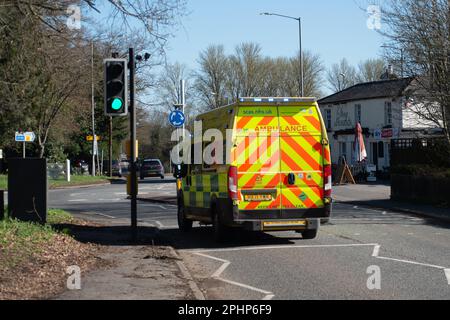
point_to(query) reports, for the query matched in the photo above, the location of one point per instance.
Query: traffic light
(116, 87)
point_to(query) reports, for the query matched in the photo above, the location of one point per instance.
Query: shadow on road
(198, 238)
(388, 205)
(146, 181)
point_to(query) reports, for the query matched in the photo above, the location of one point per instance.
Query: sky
(333, 29)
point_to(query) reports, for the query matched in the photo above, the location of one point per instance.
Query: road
(409, 257)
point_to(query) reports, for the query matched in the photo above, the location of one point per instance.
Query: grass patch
(61, 182)
(20, 241)
(3, 182)
(77, 181)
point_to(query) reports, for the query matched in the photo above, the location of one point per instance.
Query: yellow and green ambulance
(275, 174)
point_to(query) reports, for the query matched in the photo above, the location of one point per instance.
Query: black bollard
(2, 204)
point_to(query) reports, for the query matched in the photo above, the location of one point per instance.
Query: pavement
(379, 196)
(363, 253)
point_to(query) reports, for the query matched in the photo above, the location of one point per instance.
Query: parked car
(116, 169)
(152, 168)
(81, 167)
(124, 167)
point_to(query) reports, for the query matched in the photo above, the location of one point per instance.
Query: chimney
(390, 70)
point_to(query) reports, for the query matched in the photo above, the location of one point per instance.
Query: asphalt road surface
(362, 254)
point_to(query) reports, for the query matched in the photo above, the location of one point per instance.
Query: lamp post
(299, 19)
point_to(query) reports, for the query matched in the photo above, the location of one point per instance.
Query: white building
(384, 110)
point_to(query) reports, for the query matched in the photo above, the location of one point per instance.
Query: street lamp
(299, 19)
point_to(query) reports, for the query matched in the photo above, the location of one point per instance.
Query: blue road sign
(177, 118)
(19, 137)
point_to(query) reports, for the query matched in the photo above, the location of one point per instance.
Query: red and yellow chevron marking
(299, 120)
(297, 154)
(298, 198)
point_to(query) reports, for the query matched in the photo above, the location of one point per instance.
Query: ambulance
(275, 174)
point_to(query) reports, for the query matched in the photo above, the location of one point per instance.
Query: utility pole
(302, 85)
(93, 109)
(133, 159)
(183, 99)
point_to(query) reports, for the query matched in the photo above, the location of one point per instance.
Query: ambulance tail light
(328, 185)
(233, 183)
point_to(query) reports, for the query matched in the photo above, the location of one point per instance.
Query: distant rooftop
(369, 90)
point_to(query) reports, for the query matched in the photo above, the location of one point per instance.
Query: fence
(427, 151)
(59, 171)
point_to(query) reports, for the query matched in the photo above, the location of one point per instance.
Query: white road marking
(225, 263)
(376, 251)
(413, 262)
(162, 226)
(108, 200)
(105, 215)
(285, 247)
(447, 275)
(270, 295)
(78, 200)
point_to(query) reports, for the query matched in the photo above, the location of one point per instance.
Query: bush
(421, 170)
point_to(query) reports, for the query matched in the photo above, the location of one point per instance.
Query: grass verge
(57, 183)
(34, 258)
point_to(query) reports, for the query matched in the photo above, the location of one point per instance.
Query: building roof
(369, 90)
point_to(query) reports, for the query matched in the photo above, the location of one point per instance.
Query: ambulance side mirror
(180, 171)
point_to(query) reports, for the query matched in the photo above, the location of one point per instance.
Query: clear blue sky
(333, 29)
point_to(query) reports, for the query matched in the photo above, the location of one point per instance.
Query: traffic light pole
(133, 160)
(110, 147)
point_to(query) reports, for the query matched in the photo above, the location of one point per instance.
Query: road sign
(91, 138)
(25, 137)
(177, 118)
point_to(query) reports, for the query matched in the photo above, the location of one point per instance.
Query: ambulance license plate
(257, 197)
(296, 223)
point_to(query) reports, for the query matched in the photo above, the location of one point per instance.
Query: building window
(388, 113)
(328, 119)
(357, 113)
(380, 149)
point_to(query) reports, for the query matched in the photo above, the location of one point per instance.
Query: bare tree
(370, 70)
(211, 79)
(312, 74)
(341, 76)
(419, 31)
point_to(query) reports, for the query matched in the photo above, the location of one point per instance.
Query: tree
(370, 70)
(45, 76)
(211, 79)
(419, 31)
(312, 74)
(341, 76)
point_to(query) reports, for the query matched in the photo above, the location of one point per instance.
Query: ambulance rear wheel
(184, 224)
(309, 234)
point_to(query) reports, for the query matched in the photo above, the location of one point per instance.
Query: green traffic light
(117, 104)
